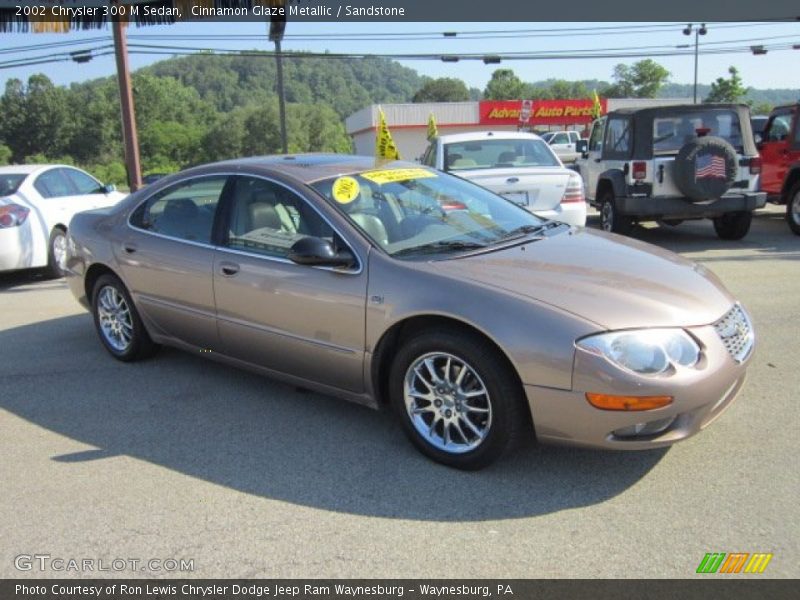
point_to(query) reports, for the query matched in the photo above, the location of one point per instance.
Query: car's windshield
(498, 153)
(10, 182)
(671, 131)
(415, 210)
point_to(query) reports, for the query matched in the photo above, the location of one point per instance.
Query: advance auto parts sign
(543, 112)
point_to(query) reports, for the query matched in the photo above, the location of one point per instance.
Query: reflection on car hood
(612, 281)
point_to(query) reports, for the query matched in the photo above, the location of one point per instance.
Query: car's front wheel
(793, 209)
(610, 218)
(733, 226)
(458, 401)
(118, 323)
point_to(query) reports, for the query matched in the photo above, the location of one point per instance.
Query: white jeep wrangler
(674, 163)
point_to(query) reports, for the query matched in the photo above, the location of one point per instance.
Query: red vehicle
(780, 155)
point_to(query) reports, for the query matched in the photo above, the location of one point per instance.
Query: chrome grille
(736, 333)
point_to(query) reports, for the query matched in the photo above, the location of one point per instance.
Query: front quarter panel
(538, 339)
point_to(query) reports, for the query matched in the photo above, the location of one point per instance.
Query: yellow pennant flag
(384, 144)
(597, 108)
(432, 130)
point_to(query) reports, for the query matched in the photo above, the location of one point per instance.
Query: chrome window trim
(359, 260)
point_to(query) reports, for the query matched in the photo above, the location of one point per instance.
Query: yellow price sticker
(345, 190)
(393, 175)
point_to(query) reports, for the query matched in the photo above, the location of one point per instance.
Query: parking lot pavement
(178, 457)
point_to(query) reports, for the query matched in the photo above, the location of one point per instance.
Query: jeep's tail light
(574, 191)
(755, 165)
(639, 171)
(12, 215)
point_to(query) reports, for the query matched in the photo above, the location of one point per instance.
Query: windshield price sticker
(345, 190)
(394, 175)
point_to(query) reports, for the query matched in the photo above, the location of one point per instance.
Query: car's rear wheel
(57, 253)
(793, 208)
(118, 323)
(734, 225)
(610, 218)
(458, 401)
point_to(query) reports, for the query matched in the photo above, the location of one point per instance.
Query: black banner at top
(88, 13)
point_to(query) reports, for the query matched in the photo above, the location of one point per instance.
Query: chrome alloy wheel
(60, 251)
(447, 402)
(115, 318)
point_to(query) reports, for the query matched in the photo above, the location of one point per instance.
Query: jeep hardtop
(673, 163)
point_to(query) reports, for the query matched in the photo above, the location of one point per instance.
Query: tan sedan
(394, 284)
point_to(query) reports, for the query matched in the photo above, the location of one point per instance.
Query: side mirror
(108, 188)
(759, 139)
(314, 251)
(582, 146)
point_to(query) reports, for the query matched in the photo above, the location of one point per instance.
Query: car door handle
(512, 180)
(597, 160)
(129, 248)
(228, 269)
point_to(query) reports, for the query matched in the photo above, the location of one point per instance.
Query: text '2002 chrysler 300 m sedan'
(391, 283)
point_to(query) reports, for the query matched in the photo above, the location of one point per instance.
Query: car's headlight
(645, 351)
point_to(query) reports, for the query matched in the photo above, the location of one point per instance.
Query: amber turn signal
(612, 402)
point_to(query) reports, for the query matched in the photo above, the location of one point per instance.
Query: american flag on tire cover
(709, 166)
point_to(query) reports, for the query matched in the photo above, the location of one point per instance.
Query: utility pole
(698, 31)
(129, 135)
(276, 28)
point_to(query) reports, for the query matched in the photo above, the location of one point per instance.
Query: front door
(591, 167)
(299, 320)
(775, 150)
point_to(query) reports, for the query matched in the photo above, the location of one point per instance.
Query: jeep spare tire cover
(705, 168)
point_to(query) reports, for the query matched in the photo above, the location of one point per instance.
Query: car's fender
(617, 180)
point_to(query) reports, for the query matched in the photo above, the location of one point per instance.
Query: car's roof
(473, 136)
(313, 167)
(674, 108)
(26, 169)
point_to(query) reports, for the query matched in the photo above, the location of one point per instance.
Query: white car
(519, 166)
(36, 205)
(565, 144)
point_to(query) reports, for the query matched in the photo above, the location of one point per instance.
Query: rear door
(167, 257)
(60, 200)
(296, 319)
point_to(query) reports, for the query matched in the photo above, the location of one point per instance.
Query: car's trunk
(535, 188)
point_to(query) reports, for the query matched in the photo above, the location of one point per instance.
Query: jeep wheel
(733, 226)
(705, 168)
(793, 208)
(610, 219)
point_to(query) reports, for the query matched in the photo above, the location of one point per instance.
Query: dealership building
(409, 122)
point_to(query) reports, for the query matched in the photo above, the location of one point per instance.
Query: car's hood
(612, 281)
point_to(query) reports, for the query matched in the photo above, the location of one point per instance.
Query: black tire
(734, 225)
(502, 424)
(715, 180)
(610, 218)
(54, 266)
(793, 208)
(139, 346)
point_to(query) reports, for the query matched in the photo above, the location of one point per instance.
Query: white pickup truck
(566, 144)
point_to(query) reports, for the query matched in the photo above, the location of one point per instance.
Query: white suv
(673, 163)
(519, 166)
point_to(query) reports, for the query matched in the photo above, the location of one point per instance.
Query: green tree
(504, 85)
(727, 90)
(5, 154)
(643, 79)
(444, 89)
(761, 108)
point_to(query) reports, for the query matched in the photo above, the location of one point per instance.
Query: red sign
(543, 112)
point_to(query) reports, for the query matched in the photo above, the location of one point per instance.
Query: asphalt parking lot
(179, 457)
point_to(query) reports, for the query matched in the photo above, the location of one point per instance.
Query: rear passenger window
(185, 211)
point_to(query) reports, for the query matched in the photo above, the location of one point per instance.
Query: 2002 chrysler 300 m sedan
(393, 283)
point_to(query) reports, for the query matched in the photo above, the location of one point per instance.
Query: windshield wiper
(442, 246)
(523, 230)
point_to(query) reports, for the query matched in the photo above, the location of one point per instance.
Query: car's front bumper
(700, 395)
(683, 208)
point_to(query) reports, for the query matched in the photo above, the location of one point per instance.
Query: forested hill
(344, 85)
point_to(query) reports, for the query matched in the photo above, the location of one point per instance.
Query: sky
(776, 69)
